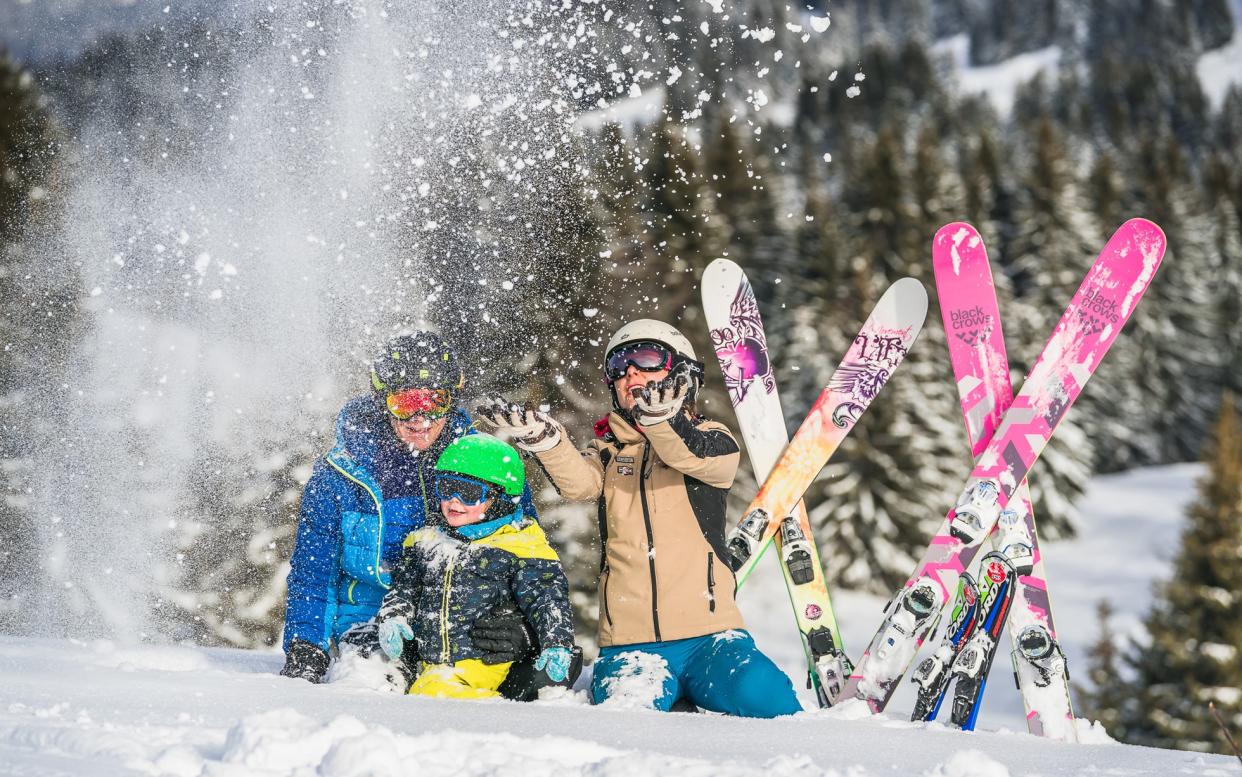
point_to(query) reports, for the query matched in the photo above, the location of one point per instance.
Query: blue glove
(392, 633)
(554, 661)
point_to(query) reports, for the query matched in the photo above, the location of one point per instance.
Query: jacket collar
(624, 431)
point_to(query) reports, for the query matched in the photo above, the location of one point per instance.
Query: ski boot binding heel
(976, 512)
(1015, 541)
(745, 539)
(830, 666)
(796, 552)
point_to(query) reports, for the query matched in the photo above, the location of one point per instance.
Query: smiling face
(635, 378)
(458, 514)
(418, 432)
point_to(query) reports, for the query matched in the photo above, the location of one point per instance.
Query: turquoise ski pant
(722, 672)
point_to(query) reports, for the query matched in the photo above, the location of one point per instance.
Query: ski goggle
(645, 355)
(425, 402)
(468, 491)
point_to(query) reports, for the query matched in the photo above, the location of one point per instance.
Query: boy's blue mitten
(554, 662)
(393, 633)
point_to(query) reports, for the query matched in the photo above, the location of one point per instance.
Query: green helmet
(487, 458)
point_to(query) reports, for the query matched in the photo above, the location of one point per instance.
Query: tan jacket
(662, 498)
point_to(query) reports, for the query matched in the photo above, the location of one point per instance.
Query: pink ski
(971, 317)
(1095, 316)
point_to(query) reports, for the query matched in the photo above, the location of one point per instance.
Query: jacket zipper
(444, 612)
(642, 492)
(607, 615)
(711, 582)
(379, 511)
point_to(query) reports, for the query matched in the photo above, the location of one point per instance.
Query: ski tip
(722, 267)
(1145, 227)
(955, 232)
(909, 297)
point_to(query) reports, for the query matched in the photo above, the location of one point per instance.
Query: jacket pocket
(711, 581)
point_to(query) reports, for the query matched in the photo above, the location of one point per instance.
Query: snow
(642, 110)
(69, 707)
(999, 82)
(1221, 68)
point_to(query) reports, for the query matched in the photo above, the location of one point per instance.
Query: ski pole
(1224, 730)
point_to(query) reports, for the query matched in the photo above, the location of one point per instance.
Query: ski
(877, 350)
(932, 673)
(969, 674)
(1095, 316)
(741, 348)
(972, 324)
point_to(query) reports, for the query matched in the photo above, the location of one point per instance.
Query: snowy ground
(71, 708)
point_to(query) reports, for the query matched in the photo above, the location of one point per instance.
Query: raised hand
(658, 402)
(530, 429)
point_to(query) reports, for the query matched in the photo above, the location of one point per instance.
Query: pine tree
(1054, 242)
(1195, 624)
(28, 318)
(1169, 358)
(1228, 294)
(1106, 696)
(234, 538)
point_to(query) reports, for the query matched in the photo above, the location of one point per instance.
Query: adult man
(366, 495)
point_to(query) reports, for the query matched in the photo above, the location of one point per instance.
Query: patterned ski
(877, 350)
(970, 671)
(981, 367)
(1100, 308)
(741, 347)
(932, 673)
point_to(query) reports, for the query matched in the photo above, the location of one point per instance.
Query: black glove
(305, 661)
(524, 681)
(503, 637)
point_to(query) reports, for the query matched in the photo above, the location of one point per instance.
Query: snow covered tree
(1228, 294)
(1054, 241)
(1169, 359)
(1104, 698)
(1194, 627)
(235, 537)
(29, 317)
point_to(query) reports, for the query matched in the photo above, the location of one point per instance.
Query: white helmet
(650, 329)
(646, 329)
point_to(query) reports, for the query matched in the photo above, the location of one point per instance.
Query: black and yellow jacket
(445, 583)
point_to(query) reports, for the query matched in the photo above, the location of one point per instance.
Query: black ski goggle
(468, 491)
(645, 355)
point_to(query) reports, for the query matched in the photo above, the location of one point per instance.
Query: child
(668, 624)
(486, 557)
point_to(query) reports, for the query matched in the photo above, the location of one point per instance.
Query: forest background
(210, 219)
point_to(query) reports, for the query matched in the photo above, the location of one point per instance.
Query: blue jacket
(349, 537)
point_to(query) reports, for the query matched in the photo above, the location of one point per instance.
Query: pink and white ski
(1095, 316)
(972, 323)
(879, 347)
(742, 348)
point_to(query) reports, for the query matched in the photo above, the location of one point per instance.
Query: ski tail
(972, 323)
(932, 675)
(741, 347)
(996, 594)
(1090, 325)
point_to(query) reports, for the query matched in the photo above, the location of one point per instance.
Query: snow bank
(79, 708)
